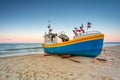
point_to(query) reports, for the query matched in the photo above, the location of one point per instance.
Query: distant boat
(88, 44)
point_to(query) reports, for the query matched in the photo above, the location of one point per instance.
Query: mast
(50, 37)
(49, 28)
(49, 32)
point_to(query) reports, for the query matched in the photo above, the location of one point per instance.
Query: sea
(19, 49)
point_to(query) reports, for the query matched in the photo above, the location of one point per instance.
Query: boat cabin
(52, 38)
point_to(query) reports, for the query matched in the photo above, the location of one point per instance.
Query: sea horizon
(37, 42)
(17, 49)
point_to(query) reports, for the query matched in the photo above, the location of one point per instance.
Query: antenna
(49, 21)
(49, 27)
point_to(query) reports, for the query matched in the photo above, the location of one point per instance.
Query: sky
(26, 21)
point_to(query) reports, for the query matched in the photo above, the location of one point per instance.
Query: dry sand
(40, 67)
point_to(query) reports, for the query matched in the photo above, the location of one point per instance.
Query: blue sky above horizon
(27, 20)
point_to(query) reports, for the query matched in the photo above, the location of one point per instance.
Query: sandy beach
(39, 67)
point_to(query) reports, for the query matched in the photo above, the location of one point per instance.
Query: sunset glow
(26, 21)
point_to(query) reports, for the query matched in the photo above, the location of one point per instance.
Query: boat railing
(86, 34)
(92, 32)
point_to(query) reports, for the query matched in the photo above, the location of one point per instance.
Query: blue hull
(90, 48)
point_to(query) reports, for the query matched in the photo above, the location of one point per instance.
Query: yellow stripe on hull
(78, 40)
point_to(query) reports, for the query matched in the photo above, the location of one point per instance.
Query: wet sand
(39, 67)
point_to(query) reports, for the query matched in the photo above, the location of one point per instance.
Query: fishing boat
(88, 44)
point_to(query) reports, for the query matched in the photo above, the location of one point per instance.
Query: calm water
(15, 49)
(107, 44)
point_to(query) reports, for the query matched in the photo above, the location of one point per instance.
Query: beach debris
(65, 56)
(74, 60)
(101, 60)
(69, 58)
(47, 54)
